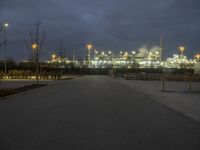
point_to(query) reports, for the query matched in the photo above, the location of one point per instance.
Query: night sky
(107, 24)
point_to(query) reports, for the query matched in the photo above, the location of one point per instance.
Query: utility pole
(5, 48)
(161, 48)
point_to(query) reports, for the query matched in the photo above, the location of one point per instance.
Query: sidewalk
(177, 98)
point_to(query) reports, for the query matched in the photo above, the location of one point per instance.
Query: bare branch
(31, 37)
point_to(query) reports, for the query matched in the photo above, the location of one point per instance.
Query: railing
(165, 77)
(142, 76)
(186, 78)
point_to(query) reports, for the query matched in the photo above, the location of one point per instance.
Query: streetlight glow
(182, 49)
(6, 25)
(89, 46)
(34, 46)
(53, 56)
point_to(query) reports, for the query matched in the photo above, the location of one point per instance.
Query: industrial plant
(144, 57)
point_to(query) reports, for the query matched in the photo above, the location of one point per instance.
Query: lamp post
(6, 25)
(89, 47)
(182, 49)
(198, 57)
(35, 55)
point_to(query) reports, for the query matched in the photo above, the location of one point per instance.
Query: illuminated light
(6, 25)
(157, 52)
(89, 46)
(109, 52)
(53, 56)
(126, 54)
(133, 52)
(182, 49)
(121, 52)
(102, 53)
(34, 46)
(198, 56)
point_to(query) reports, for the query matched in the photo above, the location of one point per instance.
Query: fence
(188, 78)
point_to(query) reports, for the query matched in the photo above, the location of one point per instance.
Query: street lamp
(6, 25)
(34, 52)
(53, 56)
(133, 52)
(36, 57)
(34, 46)
(182, 49)
(89, 47)
(198, 57)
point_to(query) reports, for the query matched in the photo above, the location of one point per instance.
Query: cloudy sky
(108, 24)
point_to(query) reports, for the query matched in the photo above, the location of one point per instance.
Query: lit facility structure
(125, 59)
(61, 62)
(180, 60)
(197, 64)
(110, 60)
(144, 58)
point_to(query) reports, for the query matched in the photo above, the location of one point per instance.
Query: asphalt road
(92, 113)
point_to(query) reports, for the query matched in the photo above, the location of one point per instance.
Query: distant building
(144, 58)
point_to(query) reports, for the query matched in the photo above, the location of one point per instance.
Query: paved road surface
(92, 113)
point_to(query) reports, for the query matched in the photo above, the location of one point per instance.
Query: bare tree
(35, 44)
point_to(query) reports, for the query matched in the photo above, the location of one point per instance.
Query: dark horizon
(107, 24)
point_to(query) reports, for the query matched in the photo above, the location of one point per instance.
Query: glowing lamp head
(89, 46)
(53, 56)
(182, 48)
(109, 52)
(34, 46)
(6, 25)
(198, 56)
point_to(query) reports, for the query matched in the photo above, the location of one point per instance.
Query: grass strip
(9, 91)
